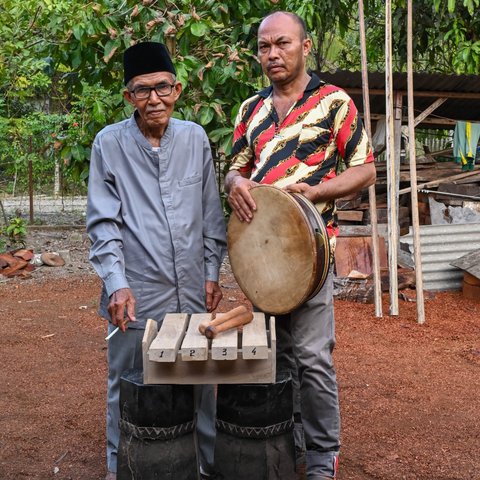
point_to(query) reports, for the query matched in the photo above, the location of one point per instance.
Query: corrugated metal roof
(453, 108)
(440, 245)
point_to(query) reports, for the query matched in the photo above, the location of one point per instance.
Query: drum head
(274, 257)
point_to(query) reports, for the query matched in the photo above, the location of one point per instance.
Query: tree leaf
(199, 29)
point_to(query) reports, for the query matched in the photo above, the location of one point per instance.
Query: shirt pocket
(192, 180)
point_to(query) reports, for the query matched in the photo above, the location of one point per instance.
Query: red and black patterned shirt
(320, 129)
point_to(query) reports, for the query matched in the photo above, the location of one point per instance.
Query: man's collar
(314, 83)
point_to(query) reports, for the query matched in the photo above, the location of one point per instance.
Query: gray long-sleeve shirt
(154, 217)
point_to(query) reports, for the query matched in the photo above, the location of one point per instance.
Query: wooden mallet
(235, 318)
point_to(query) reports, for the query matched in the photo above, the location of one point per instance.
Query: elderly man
(293, 135)
(156, 225)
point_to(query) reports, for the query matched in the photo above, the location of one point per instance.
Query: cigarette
(110, 335)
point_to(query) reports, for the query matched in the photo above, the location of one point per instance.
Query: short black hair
(297, 18)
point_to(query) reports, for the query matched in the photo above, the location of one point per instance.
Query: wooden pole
(392, 191)
(413, 171)
(30, 180)
(371, 190)
(3, 213)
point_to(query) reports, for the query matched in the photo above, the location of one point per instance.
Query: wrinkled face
(282, 50)
(154, 111)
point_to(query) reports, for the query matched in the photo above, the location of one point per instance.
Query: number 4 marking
(254, 351)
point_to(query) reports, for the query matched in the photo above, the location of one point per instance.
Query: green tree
(65, 56)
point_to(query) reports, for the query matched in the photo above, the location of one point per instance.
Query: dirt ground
(409, 393)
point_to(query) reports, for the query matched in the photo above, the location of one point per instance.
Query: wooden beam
(418, 93)
(427, 121)
(435, 183)
(413, 166)
(422, 116)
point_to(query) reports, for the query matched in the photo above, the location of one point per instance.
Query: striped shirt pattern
(320, 129)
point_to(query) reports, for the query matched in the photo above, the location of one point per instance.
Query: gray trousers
(124, 352)
(305, 342)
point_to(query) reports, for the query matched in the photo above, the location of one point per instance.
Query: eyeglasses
(162, 90)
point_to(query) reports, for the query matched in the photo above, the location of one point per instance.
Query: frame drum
(282, 257)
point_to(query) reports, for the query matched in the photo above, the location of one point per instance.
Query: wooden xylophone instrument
(179, 354)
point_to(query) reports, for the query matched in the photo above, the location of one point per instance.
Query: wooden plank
(150, 333)
(422, 116)
(164, 347)
(355, 253)
(254, 338)
(195, 345)
(273, 347)
(471, 291)
(441, 180)
(350, 215)
(361, 230)
(471, 279)
(225, 345)
(211, 372)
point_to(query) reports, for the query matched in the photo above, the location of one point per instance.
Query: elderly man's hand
(213, 295)
(122, 308)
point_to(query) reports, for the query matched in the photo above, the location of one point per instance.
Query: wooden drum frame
(282, 257)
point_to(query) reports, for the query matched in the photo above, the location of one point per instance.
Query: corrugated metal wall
(439, 245)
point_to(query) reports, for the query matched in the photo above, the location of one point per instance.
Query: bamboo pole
(30, 179)
(392, 191)
(371, 190)
(413, 171)
(3, 213)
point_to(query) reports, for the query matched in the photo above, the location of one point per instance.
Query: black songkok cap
(146, 57)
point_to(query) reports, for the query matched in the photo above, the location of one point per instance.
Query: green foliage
(35, 138)
(446, 35)
(71, 53)
(15, 232)
(65, 57)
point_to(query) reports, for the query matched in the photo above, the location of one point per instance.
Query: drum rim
(324, 234)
